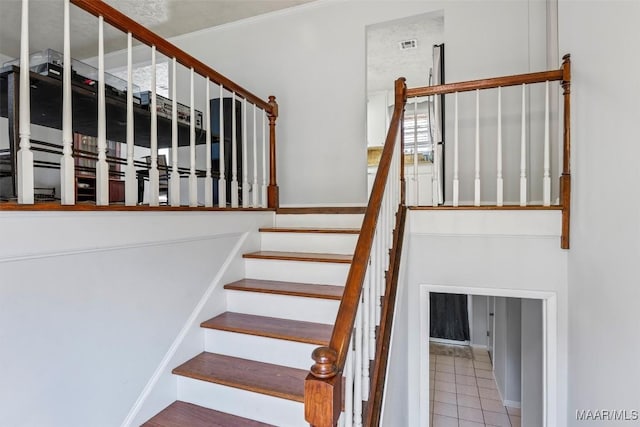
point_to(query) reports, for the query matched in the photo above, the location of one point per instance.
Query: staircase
(257, 354)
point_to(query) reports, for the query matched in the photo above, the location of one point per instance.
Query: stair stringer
(162, 388)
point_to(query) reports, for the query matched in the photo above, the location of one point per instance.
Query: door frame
(549, 343)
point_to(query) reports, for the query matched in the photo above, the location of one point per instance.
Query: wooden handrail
(323, 384)
(349, 304)
(127, 25)
(495, 82)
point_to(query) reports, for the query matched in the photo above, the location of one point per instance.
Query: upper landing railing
(342, 378)
(492, 132)
(245, 162)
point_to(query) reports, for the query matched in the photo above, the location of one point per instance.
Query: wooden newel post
(272, 189)
(323, 389)
(565, 179)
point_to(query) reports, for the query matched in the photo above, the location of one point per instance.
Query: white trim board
(549, 342)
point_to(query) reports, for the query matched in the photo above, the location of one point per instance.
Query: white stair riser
(321, 273)
(309, 242)
(261, 349)
(256, 406)
(320, 220)
(283, 306)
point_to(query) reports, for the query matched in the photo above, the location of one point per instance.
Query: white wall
(507, 357)
(532, 357)
(479, 325)
(493, 259)
(317, 71)
(90, 302)
(604, 340)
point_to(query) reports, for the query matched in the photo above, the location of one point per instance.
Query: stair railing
(535, 109)
(253, 120)
(353, 342)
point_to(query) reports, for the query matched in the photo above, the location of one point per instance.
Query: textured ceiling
(386, 62)
(166, 17)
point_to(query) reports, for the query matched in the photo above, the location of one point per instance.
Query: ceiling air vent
(408, 44)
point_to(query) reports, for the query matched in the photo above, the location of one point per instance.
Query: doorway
(517, 380)
(412, 48)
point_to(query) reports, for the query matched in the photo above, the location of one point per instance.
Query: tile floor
(463, 392)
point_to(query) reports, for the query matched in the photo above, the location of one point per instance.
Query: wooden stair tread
(287, 288)
(291, 330)
(310, 230)
(259, 377)
(301, 256)
(183, 414)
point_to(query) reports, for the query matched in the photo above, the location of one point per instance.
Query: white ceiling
(386, 62)
(166, 17)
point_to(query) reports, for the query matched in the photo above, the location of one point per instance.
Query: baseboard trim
(512, 404)
(189, 324)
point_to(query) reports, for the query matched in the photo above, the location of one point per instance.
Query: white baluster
(380, 273)
(102, 168)
(193, 180)
(234, 154)
(265, 149)
(546, 180)
(154, 175)
(174, 180)
(365, 335)
(357, 380)
(415, 154)
(245, 172)
(499, 180)
(208, 181)
(130, 181)
(25, 155)
(371, 283)
(348, 386)
(476, 197)
(67, 187)
(254, 185)
(456, 182)
(523, 149)
(435, 176)
(222, 181)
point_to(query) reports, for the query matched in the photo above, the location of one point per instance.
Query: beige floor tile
(465, 423)
(445, 360)
(470, 414)
(463, 363)
(482, 373)
(492, 405)
(482, 359)
(483, 382)
(482, 365)
(468, 390)
(465, 371)
(445, 397)
(442, 421)
(495, 419)
(445, 409)
(513, 411)
(445, 368)
(468, 401)
(445, 386)
(445, 377)
(515, 421)
(465, 380)
(489, 393)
